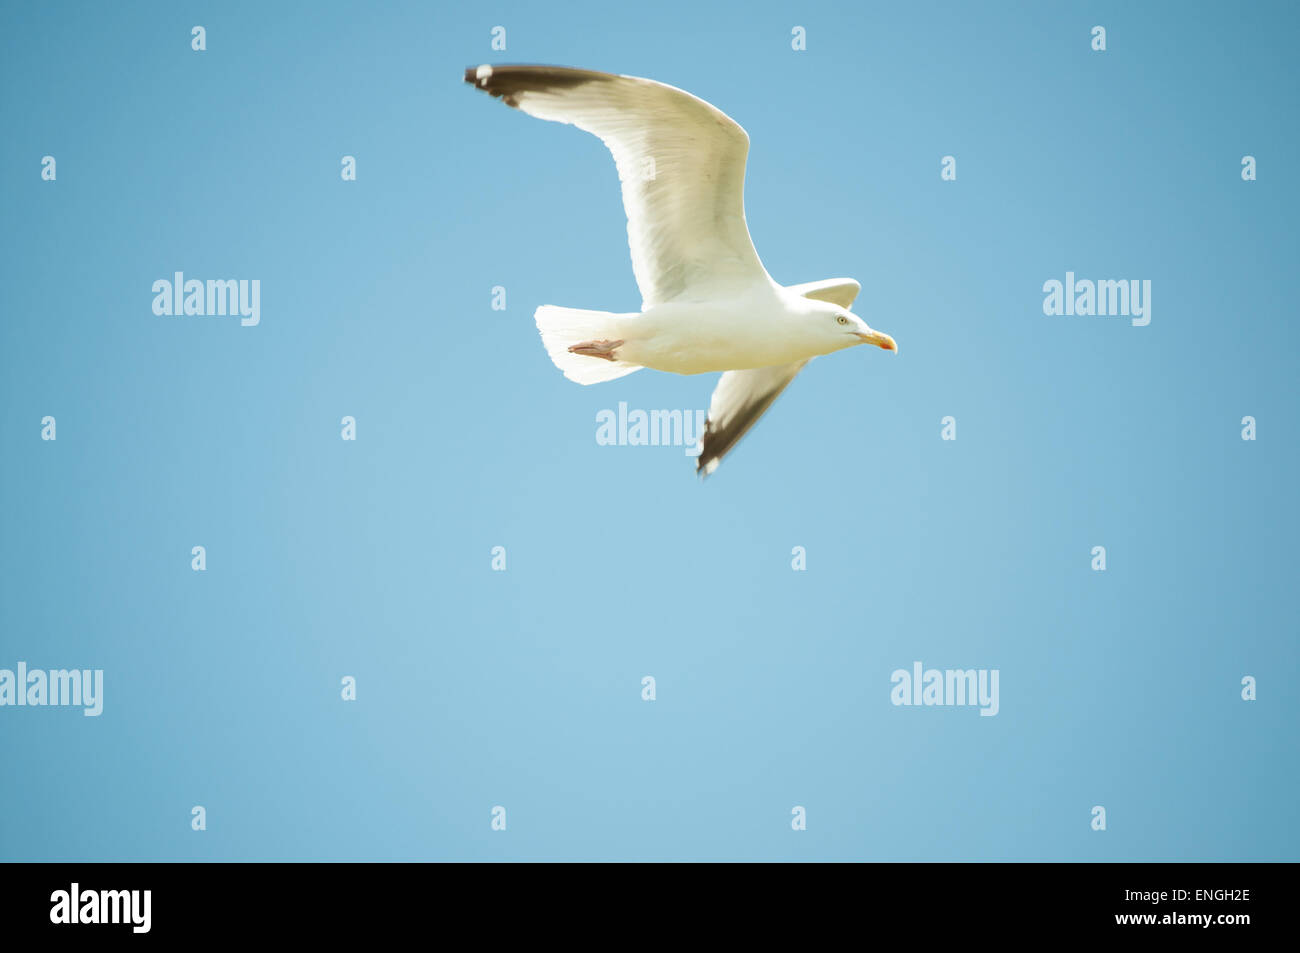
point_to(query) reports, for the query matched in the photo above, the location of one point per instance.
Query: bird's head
(837, 328)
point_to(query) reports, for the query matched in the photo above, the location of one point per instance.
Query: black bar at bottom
(177, 901)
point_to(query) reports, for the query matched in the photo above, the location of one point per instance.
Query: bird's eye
(841, 319)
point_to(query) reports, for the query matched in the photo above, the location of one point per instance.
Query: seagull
(708, 304)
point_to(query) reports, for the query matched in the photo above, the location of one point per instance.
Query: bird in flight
(708, 304)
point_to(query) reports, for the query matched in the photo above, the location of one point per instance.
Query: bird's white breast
(753, 328)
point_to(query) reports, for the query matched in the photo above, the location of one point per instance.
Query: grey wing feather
(740, 398)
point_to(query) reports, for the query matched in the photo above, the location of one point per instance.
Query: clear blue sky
(522, 688)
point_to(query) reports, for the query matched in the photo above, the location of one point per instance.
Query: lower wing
(740, 398)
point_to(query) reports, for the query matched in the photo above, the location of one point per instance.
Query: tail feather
(561, 328)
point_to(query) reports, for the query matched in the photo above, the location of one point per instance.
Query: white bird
(708, 304)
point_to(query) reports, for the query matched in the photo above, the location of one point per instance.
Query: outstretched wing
(841, 291)
(680, 160)
(740, 398)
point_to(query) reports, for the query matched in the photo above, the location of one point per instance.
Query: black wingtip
(480, 77)
(484, 78)
(509, 82)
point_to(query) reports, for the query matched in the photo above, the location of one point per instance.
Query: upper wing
(841, 291)
(739, 400)
(681, 162)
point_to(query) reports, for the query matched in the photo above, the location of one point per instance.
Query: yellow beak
(883, 341)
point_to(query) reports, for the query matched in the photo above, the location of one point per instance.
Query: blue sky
(523, 688)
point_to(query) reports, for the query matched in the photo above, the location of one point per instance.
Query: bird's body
(708, 304)
(748, 327)
(743, 330)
